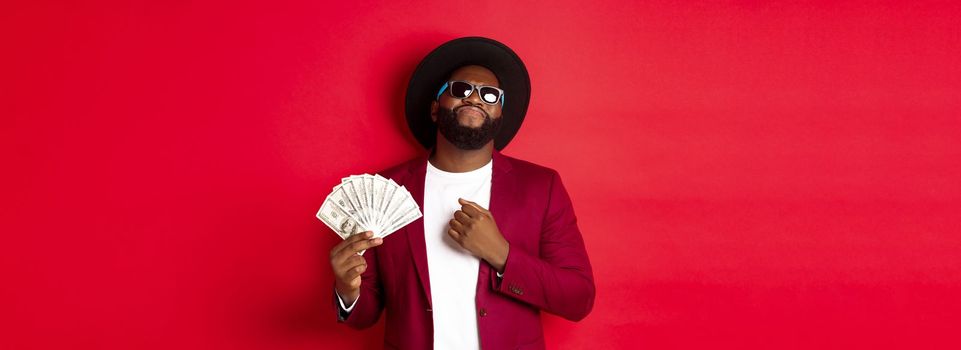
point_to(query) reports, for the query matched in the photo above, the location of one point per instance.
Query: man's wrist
(500, 258)
(348, 297)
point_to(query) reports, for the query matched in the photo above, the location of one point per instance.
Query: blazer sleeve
(560, 280)
(369, 304)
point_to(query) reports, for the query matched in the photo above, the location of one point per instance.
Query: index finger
(350, 240)
(471, 208)
(357, 247)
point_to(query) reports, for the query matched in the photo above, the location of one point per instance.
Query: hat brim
(437, 66)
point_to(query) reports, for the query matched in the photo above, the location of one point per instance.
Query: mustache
(456, 110)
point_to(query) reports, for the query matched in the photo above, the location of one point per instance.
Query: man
(498, 241)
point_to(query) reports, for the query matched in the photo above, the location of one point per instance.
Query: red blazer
(547, 267)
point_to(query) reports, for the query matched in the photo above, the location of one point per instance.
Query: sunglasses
(462, 89)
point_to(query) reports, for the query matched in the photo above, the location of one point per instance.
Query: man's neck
(449, 158)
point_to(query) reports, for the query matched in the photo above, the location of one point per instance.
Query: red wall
(763, 176)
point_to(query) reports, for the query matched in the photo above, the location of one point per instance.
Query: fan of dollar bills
(368, 203)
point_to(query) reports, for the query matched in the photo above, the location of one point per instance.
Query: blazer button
(483, 312)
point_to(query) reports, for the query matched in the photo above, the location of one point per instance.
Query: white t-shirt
(452, 269)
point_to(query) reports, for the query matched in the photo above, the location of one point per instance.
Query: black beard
(464, 137)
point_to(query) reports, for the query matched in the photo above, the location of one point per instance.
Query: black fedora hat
(436, 68)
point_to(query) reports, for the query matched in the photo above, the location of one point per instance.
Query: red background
(746, 175)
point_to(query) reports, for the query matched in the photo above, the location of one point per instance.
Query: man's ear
(433, 111)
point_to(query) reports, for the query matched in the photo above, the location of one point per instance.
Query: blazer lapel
(415, 230)
(501, 190)
(501, 186)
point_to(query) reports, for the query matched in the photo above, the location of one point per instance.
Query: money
(368, 203)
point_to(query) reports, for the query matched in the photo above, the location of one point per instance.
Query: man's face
(468, 123)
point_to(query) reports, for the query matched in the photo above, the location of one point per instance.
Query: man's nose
(474, 98)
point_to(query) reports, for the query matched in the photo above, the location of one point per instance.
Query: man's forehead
(476, 75)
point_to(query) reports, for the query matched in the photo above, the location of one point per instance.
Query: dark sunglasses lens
(460, 89)
(489, 94)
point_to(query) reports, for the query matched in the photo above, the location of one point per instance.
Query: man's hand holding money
(348, 264)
